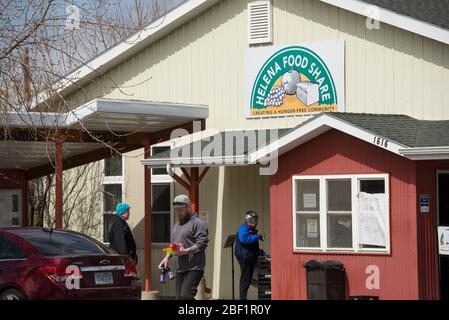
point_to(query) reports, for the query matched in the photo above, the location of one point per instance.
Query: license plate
(103, 278)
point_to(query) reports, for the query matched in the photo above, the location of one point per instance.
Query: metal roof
(111, 115)
(29, 154)
(236, 147)
(99, 115)
(229, 147)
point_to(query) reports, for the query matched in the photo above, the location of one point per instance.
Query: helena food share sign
(294, 79)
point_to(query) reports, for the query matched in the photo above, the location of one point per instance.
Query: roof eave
(315, 127)
(126, 48)
(393, 18)
(426, 153)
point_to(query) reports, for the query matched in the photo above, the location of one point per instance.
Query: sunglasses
(181, 204)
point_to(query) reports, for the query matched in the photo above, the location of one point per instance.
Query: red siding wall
(337, 153)
(426, 173)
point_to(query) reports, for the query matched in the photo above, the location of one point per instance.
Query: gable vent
(259, 22)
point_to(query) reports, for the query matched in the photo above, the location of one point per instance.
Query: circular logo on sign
(293, 80)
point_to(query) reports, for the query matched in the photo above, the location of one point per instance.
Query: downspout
(170, 170)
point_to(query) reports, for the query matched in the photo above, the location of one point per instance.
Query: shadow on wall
(208, 202)
(252, 194)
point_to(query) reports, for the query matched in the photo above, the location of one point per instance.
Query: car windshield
(59, 243)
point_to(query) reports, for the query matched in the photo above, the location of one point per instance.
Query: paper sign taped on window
(309, 200)
(372, 219)
(443, 240)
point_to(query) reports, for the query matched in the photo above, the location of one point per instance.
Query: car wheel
(12, 294)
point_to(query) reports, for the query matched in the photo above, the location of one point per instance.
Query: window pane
(58, 243)
(107, 223)
(339, 195)
(339, 231)
(161, 197)
(308, 230)
(161, 228)
(9, 250)
(112, 195)
(113, 166)
(15, 203)
(156, 150)
(372, 186)
(307, 195)
(159, 171)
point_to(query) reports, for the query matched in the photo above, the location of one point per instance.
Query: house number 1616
(381, 142)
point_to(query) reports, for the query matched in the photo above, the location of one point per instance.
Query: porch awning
(403, 135)
(214, 148)
(400, 134)
(111, 115)
(87, 130)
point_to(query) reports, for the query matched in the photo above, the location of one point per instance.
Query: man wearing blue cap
(120, 236)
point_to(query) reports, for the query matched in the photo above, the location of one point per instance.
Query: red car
(43, 264)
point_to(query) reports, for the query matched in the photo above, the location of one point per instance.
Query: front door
(10, 208)
(443, 220)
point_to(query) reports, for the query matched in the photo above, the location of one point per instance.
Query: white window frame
(164, 179)
(114, 179)
(9, 193)
(111, 180)
(172, 192)
(355, 188)
(438, 193)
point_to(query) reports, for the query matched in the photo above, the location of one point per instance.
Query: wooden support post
(186, 173)
(203, 174)
(58, 187)
(24, 202)
(181, 181)
(194, 189)
(148, 216)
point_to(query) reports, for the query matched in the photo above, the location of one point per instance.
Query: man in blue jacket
(247, 250)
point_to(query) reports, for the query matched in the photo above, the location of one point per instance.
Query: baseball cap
(181, 201)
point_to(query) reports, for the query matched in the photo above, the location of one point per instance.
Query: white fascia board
(315, 127)
(145, 108)
(33, 119)
(142, 108)
(127, 107)
(393, 18)
(117, 53)
(76, 115)
(426, 153)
